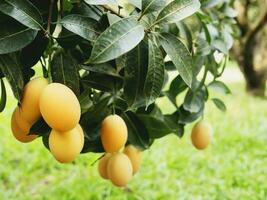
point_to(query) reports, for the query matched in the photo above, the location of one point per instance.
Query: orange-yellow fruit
(65, 146)
(119, 169)
(30, 110)
(102, 166)
(60, 107)
(81, 132)
(134, 155)
(201, 134)
(19, 134)
(113, 133)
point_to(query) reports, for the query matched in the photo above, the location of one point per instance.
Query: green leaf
(219, 87)
(85, 100)
(102, 77)
(219, 104)
(14, 36)
(3, 96)
(179, 55)
(135, 75)
(158, 128)
(116, 40)
(64, 70)
(90, 122)
(152, 5)
(81, 25)
(186, 117)
(32, 53)
(23, 11)
(194, 101)
(155, 73)
(137, 132)
(177, 10)
(40, 128)
(100, 2)
(11, 68)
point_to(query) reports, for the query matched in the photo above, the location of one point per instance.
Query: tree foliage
(120, 56)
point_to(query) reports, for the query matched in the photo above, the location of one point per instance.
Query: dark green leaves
(155, 73)
(14, 36)
(81, 25)
(158, 128)
(177, 10)
(135, 75)
(23, 11)
(11, 68)
(64, 70)
(179, 55)
(116, 40)
(3, 96)
(137, 132)
(152, 5)
(40, 128)
(102, 77)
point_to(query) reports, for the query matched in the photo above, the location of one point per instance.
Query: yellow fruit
(19, 134)
(30, 110)
(113, 133)
(102, 166)
(81, 132)
(60, 107)
(134, 155)
(119, 169)
(65, 146)
(201, 134)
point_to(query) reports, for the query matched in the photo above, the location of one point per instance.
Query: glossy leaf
(11, 68)
(23, 11)
(135, 75)
(158, 128)
(14, 36)
(152, 5)
(177, 10)
(155, 73)
(116, 40)
(82, 26)
(137, 132)
(64, 70)
(179, 55)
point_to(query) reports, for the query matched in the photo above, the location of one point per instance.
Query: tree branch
(49, 18)
(262, 22)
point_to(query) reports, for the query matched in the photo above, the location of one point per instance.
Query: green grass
(233, 167)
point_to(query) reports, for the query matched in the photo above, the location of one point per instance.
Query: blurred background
(233, 167)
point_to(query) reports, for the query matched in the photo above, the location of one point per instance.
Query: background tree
(119, 60)
(250, 49)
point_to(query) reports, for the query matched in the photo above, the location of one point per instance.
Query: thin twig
(93, 163)
(48, 29)
(61, 8)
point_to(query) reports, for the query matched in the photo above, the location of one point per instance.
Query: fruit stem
(93, 163)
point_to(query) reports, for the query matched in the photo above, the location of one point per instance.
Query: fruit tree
(104, 65)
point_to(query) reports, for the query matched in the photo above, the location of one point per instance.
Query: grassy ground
(233, 167)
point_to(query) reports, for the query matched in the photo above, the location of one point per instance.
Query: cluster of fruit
(119, 167)
(60, 108)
